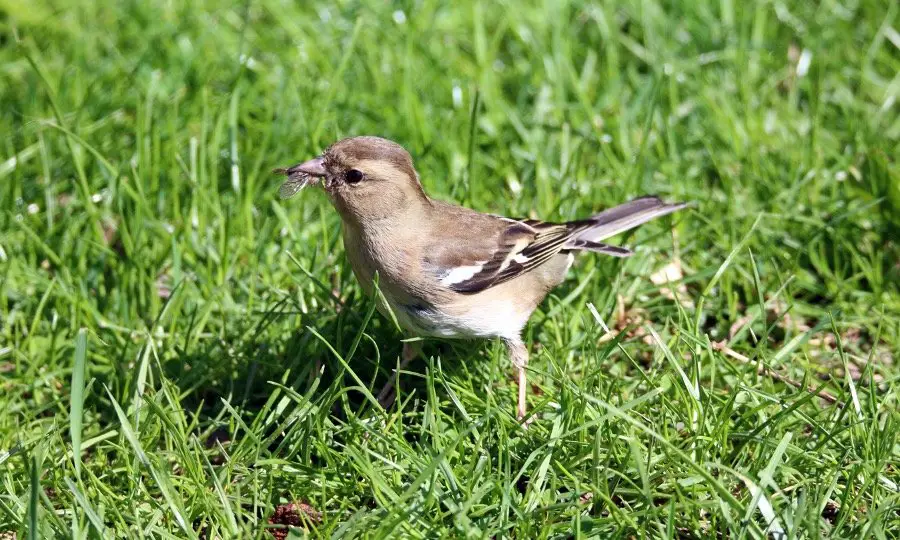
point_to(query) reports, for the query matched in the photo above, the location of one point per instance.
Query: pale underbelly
(493, 320)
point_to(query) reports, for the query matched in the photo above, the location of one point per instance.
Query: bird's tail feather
(599, 247)
(624, 217)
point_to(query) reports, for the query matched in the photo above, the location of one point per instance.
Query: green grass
(181, 353)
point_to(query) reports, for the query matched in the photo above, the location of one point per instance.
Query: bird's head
(367, 178)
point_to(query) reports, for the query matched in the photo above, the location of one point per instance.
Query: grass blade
(77, 397)
(86, 506)
(161, 479)
(34, 497)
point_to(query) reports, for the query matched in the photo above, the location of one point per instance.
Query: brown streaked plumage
(445, 270)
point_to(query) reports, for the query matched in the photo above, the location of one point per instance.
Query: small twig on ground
(762, 370)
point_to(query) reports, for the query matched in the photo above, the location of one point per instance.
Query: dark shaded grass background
(227, 356)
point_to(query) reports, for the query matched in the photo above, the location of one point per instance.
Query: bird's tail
(590, 233)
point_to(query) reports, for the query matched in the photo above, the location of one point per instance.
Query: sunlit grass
(205, 350)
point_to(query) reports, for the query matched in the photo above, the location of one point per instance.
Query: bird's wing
(483, 250)
(498, 251)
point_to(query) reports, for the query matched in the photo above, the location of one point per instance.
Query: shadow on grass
(314, 357)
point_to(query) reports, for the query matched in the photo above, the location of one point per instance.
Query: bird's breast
(370, 253)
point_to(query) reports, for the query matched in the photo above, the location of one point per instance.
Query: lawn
(184, 355)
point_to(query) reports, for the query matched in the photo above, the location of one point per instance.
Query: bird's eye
(353, 176)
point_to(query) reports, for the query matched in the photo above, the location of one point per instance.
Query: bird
(445, 270)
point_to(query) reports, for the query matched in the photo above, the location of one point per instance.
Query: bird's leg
(518, 353)
(410, 351)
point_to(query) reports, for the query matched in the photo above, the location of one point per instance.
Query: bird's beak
(300, 176)
(314, 167)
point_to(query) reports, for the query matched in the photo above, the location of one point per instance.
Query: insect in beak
(300, 176)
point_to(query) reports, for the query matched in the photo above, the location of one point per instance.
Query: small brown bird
(444, 270)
